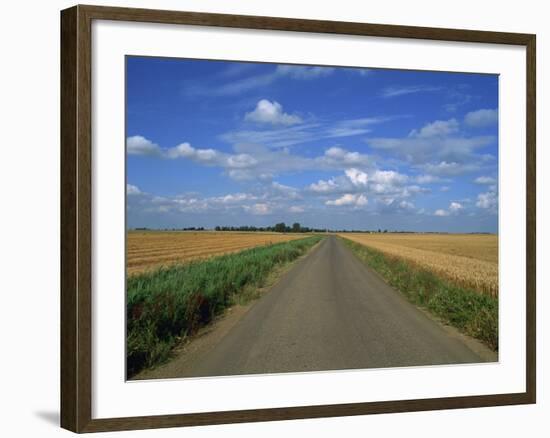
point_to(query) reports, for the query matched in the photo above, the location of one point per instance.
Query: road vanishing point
(330, 311)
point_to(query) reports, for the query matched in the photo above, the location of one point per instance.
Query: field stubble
(468, 260)
(149, 250)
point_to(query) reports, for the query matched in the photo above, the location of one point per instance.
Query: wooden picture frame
(76, 217)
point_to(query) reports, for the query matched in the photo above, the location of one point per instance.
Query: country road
(328, 312)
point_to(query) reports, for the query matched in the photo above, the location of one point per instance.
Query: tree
(296, 228)
(280, 227)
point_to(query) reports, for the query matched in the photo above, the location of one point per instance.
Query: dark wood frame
(76, 173)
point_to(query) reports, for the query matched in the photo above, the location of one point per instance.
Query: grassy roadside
(474, 313)
(170, 303)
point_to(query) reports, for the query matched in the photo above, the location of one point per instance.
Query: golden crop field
(147, 250)
(467, 259)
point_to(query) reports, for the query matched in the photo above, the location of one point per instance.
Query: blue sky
(230, 143)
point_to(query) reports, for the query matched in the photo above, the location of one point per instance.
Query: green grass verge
(473, 313)
(170, 303)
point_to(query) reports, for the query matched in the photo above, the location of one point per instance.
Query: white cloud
(241, 161)
(253, 162)
(234, 198)
(439, 128)
(444, 188)
(253, 82)
(132, 190)
(208, 157)
(271, 113)
(352, 180)
(400, 91)
(303, 72)
(281, 135)
(185, 150)
(389, 177)
(339, 157)
(139, 145)
(444, 168)
(455, 207)
(488, 201)
(406, 205)
(283, 192)
(258, 209)
(382, 184)
(485, 180)
(349, 199)
(254, 203)
(481, 118)
(438, 148)
(390, 205)
(351, 127)
(427, 179)
(296, 209)
(323, 186)
(234, 87)
(357, 177)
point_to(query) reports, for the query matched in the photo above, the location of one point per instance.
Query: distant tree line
(296, 227)
(280, 227)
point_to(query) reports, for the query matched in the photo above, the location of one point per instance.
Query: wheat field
(470, 260)
(148, 250)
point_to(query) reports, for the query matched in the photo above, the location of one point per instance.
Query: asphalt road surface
(328, 312)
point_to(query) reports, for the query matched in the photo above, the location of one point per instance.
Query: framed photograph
(269, 218)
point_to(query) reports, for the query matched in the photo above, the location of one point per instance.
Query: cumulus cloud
(205, 156)
(488, 200)
(349, 199)
(406, 205)
(258, 209)
(234, 198)
(352, 180)
(339, 157)
(426, 179)
(386, 185)
(481, 118)
(260, 203)
(271, 113)
(296, 209)
(437, 148)
(485, 180)
(139, 145)
(389, 177)
(357, 177)
(185, 150)
(443, 168)
(454, 209)
(132, 190)
(439, 128)
(322, 186)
